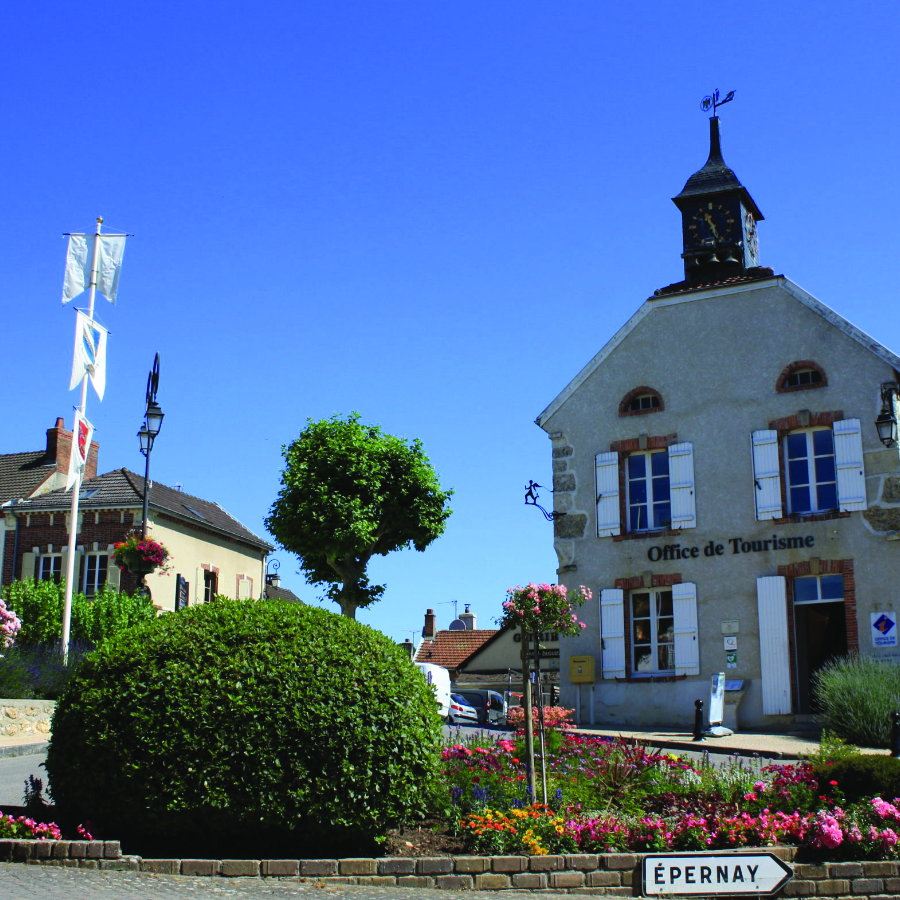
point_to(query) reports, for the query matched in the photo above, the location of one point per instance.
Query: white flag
(78, 267)
(112, 248)
(79, 264)
(81, 447)
(90, 353)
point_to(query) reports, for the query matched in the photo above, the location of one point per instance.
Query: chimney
(468, 619)
(428, 631)
(59, 449)
(409, 647)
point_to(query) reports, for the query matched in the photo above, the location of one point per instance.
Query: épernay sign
(714, 874)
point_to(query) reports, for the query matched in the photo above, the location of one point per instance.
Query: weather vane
(531, 499)
(713, 101)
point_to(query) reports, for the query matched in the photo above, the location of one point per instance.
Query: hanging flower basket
(140, 557)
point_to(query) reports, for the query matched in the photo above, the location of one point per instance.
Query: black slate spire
(718, 219)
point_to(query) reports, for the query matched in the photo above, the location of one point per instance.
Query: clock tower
(718, 220)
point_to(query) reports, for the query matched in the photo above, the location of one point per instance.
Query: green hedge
(861, 778)
(239, 720)
(856, 696)
(39, 604)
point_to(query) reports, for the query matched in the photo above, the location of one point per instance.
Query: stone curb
(22, 749)
(604, 874)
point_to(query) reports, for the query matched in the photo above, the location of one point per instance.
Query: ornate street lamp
(886, 423)
(153, 418)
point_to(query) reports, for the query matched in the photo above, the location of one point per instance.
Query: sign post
(714, 874)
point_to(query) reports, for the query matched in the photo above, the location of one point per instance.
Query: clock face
(713, 224)
(751, 239)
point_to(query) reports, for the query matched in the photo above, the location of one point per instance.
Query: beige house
(210, 551)
(724, 490)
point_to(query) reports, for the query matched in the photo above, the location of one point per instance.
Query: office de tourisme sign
(736, 545)
(714, 874)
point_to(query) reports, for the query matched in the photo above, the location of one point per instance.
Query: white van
(439, 679)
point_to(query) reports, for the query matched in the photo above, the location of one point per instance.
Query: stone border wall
(605, 874)
(25, 717)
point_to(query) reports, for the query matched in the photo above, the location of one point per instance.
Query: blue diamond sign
(884, 629)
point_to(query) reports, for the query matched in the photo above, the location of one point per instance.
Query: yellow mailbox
(581, 669)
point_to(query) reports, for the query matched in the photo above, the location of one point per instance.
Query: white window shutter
(199, 589)
(113, 574)
(29, 566)
(848, 458)
(681, 486)
(767, 475)
(774, 649)
(244, 589)
(612, 632)
(607, 494)
(687, 647)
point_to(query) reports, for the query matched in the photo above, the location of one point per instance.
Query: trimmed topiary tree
(281, 726)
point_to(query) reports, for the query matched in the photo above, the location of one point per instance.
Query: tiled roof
(681, 287)
(22, 473)
(280, 593)
(123, 488)
(451, 649)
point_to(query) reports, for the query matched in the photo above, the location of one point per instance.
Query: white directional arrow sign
(714, 874)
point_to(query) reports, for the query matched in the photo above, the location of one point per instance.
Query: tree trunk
(347, 604)
(529, 724)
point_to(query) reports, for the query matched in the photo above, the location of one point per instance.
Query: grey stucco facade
(740, 553)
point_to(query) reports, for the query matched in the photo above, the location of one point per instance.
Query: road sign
(714, 874)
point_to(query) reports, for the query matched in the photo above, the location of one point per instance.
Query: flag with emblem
(81, 446)
(90, 353)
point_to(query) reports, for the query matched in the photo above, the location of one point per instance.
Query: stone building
(727, 496)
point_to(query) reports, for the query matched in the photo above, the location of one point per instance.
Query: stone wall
(25, 717)
(605, 874)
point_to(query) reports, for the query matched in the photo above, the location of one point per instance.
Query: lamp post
(153, 418)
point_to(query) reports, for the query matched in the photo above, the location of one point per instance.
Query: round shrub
(245, 720)
(861, 778)
(856, 696)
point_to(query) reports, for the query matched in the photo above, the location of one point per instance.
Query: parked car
(439, 679)
(460, 712)
(489, 705)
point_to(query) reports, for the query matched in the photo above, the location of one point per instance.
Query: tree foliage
(273, 726)
(349, 491)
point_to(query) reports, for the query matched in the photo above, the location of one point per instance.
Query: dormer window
(641, 400)
(801, 376)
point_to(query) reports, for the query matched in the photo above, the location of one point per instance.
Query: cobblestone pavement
(19, 881)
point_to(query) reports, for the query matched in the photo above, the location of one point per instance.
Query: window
(642, 402)
(819, 589)
(649, 508)
(652, 632)
(95, 567)
(662, 638)
(823, 470)
(811, 473)
(50, 568)
(802, 377)
(658, 489)
(210, 585)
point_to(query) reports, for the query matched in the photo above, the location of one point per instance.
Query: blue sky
(433, 214)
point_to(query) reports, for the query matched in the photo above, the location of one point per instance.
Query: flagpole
(76, 487)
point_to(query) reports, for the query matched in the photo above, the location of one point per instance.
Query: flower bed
(617, 796)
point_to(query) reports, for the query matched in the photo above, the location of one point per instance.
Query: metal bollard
(895, 734)
(698, 720)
